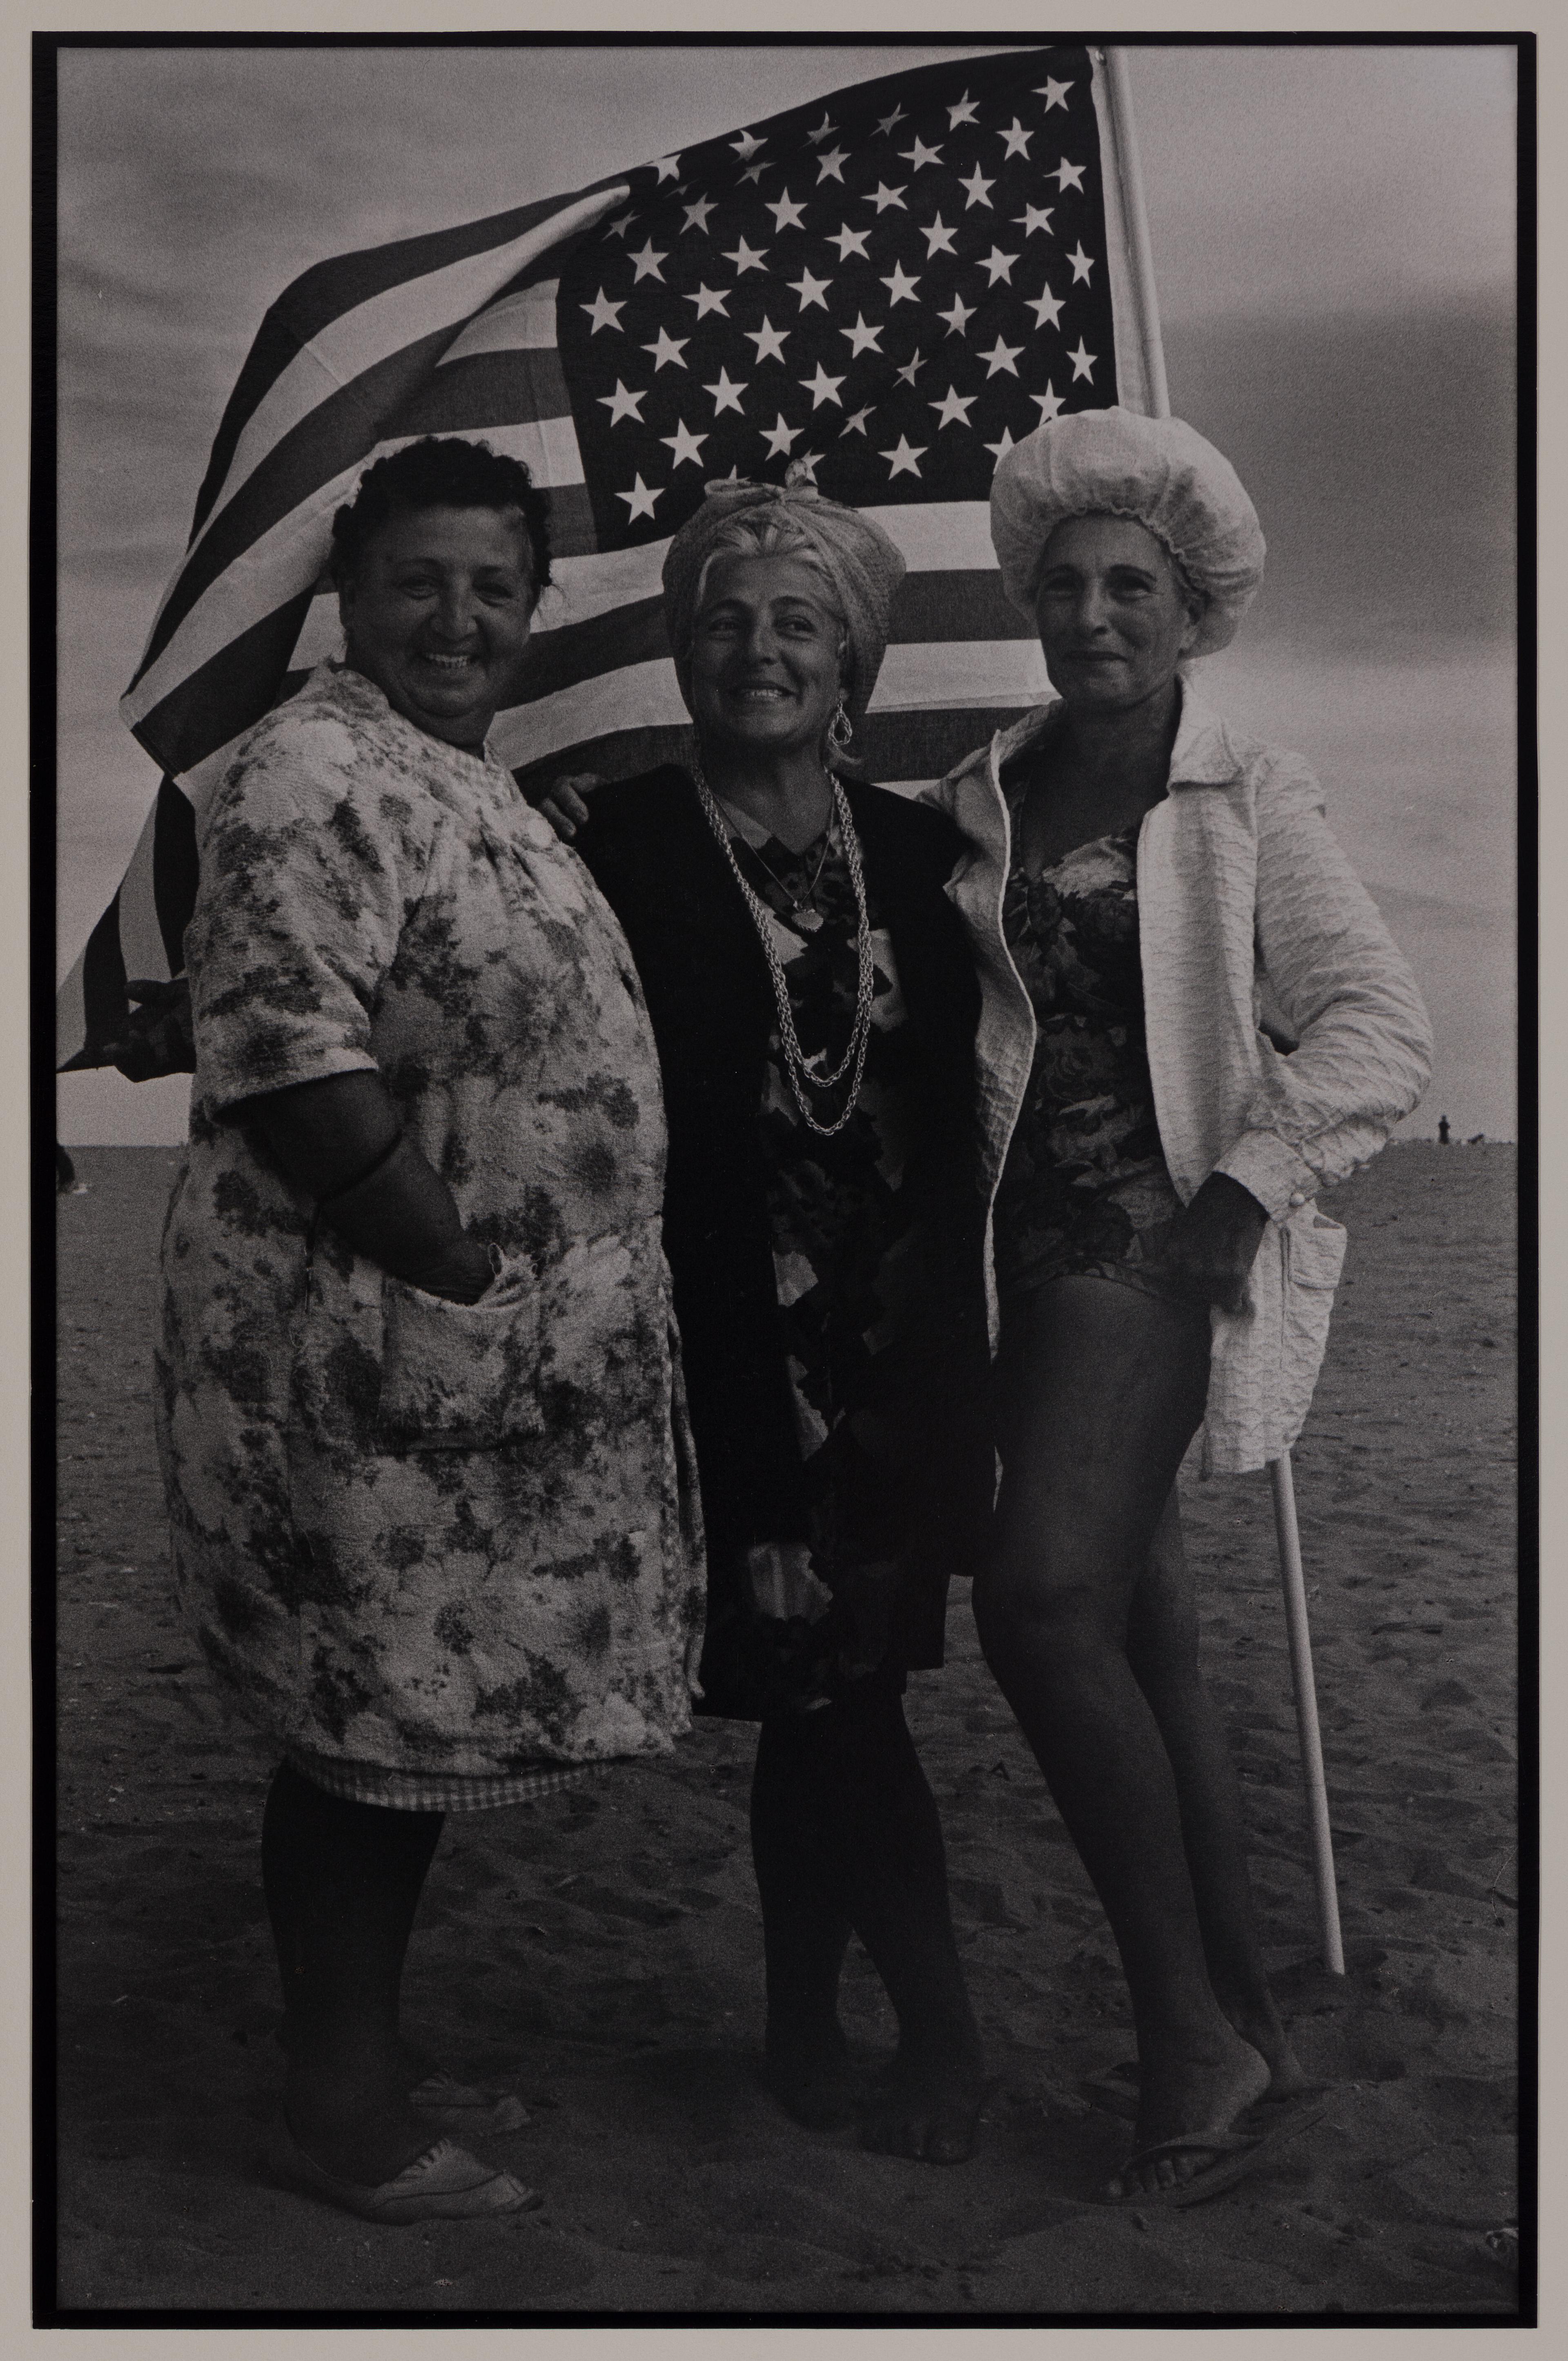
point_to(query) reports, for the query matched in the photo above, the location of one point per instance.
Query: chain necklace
(798, 902)
(853, 1063)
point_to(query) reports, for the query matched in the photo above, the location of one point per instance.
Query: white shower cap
(1157, 470)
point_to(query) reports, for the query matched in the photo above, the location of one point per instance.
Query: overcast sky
(1333, 241)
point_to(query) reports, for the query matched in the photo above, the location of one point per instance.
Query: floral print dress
(1085, 1188)
(425, 1543)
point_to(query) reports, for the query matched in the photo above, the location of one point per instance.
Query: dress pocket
(458, 1377)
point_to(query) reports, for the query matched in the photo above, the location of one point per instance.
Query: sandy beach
(603, 1948)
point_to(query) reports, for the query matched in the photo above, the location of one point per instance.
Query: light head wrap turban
(863, 565)
(1157, 470)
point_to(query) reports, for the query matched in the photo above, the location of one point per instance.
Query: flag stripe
(902, 751)
(226, 695)
(928, 674)
(321, 295)
(174, 870)
(930, 606)
(102, 988)
(494, 389)
(436, 305)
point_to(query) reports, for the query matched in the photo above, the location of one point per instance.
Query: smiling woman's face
(766, 656)
(1114, 617)
(437, 616)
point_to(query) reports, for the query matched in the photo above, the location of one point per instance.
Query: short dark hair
(439, 471)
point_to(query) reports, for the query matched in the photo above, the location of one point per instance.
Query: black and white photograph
(787, 788)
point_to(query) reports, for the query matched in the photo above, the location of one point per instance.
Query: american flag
(894, 285)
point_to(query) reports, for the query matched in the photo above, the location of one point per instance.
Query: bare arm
(340, 1141)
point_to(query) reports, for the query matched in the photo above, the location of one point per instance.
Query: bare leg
(1162, 1648)
(343, 1882)
(1105, 1388)
(807, 1927)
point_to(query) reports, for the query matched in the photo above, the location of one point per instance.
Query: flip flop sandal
(475, 2107)
(443, 2184)
(1234, 2155)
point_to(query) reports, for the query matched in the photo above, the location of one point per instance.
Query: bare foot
(1259, 2023)
(926, 2104)
(1183, 2098)
(812, 2079)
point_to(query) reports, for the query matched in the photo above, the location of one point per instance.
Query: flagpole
(1134, 213)
(1134, 218)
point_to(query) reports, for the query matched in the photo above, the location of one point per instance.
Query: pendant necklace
(853, 1063)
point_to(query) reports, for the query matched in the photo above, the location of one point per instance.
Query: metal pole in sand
(1295, 1587)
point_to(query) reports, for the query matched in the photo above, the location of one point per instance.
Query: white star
(1054, 93)
(1035, 217)
(779, 438)
(746, 258)
(1000, 356)
(639, 500)
(886, 196)
(754, 172)
(603, 312)
(810, 290)
(746, 147)
(920, 154)
(725, 395)
(648, 263)
(822, 388)
(999, 266)
(786, 214)
(911, 368)
(856, 422)
(831, 166)
(668, 348)
(954, 407)
(1083, 362)
(1070, 175)
(962, 113)
(769, 340)
(885, 125)
(1017, 139)
(862, 338)
(958, 317)
(696, 216)
(906, 459)
(667, 168)
(936, 237)
(1048, 403)
(622, 404)
(1046, 307)
(977, 188)
(685, 444)
(824, 130)
(1006, 445)
(850, 241)
(1082, 264)
(899, 287)
(619, 226)
(707, 301)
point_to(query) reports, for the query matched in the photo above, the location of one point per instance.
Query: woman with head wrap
(1140, 881)
(814, 1003)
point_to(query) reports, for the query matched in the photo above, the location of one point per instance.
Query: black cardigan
(654, 858)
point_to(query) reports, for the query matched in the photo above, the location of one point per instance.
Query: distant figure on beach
(815, 1004)
(427, 1463)
(1138, 876)
(1476, 1140)
(1442, 1131)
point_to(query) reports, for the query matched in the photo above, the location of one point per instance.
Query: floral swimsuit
(1085, 1190)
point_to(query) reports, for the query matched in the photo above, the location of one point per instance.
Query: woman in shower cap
(813, 1000)
(1153, 895)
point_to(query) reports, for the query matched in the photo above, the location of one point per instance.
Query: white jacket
(1242, 892)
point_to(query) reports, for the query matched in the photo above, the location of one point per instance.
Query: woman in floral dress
(423, 1437)
(815, 1005)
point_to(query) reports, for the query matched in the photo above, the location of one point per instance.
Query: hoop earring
(840, 730)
